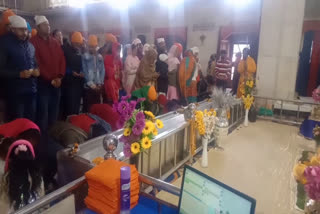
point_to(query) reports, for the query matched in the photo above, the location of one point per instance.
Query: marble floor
(258, 161)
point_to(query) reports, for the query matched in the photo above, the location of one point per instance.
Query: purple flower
(141, 100)
(140, 116)
(138, 127)
(132, 105)
(127, 150)
(312, 174)
(124, 139)
(125, 98)
(123, 107)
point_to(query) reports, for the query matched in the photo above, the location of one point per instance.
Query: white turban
(136, 41)
(195, 50)
(163, 57)
(17, 22)
(40, 19)
(159, 40)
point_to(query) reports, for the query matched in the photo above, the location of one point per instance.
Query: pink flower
(127, 150)
(123, 107)
(312, 174)
(140, 116)
(125, 98)
(138, 127)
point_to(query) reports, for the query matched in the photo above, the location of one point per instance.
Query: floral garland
(308, 172)
(247, 97)
(140, 127)
(205, 122)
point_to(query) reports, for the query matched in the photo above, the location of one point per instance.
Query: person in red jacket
(113, 67)
(52, 66)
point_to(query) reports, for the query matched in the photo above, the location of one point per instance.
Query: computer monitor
(201, 194)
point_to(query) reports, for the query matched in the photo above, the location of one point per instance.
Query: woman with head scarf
(113, 67)
(188, 76)
(146, 74)
(174, 58)
(131, 66)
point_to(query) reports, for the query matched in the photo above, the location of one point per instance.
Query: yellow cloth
(111, 38)
(93, 41)
(77, 37)
(246, 68)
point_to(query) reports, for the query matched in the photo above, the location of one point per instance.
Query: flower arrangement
(247, 94)
(308, 174)
(140, 126)
(205, 122)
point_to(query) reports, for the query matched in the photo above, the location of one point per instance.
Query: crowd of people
(46, 77)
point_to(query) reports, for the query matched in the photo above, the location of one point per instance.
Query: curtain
(314, 66)
(304, 65)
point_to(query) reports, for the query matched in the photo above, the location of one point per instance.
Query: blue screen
(203, 196)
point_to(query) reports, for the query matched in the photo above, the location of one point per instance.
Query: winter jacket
(15, 56)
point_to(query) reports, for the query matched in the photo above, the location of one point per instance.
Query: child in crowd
(22, 182)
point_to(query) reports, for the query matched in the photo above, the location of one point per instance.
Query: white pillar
(280, 38)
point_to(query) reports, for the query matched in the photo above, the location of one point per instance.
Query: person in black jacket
(19, 70)
(162, 67)
(73, 83)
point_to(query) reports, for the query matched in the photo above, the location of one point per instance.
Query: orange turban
(77, 37)
(93, 41)
(5, 21)
(5, 16)
(111, 38)
(34, 32)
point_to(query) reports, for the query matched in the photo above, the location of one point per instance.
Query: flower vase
(204, 161)
(246, 120)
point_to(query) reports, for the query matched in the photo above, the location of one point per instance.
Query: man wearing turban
(52, 66)
(19, 70)
(94, 72)
(72, 85)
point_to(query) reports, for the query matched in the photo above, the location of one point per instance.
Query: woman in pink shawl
(174, 57)
(131, 66)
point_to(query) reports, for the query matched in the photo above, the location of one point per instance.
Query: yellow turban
(111, 38)
(77, 38)
(93, 41)
(152, 93)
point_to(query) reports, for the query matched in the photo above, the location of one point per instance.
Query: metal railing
(286, 111)
(79, 187)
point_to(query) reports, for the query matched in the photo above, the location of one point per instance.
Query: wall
(280, 36)
(150, 14)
